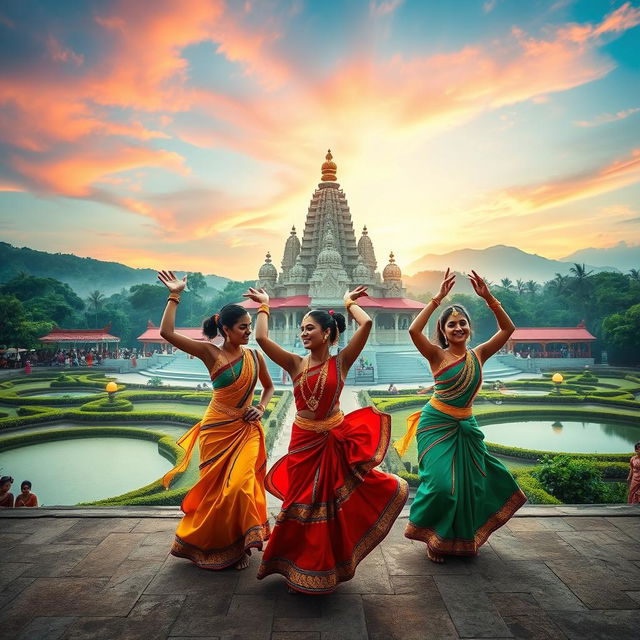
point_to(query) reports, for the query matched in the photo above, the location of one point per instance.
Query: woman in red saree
(336, 507)
(225, 511)
(634, 477)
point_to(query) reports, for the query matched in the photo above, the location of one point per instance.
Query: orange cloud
(530, 199)
(604, 118)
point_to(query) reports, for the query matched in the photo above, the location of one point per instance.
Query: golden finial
(455, 313)
(329, 168)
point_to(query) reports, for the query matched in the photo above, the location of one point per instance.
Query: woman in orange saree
(225, 511)
(336, 507)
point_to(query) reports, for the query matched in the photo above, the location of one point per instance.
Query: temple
(316, 271)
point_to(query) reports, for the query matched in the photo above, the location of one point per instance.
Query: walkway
(552, 572)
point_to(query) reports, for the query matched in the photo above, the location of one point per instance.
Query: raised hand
(447, 284)
(257, 295)
(479, 285)
(358, 292)
(169, 280)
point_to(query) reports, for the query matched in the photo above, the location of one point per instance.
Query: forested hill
(83, 275)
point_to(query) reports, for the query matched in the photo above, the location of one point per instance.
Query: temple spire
(329, 168)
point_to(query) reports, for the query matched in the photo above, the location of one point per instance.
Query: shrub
(155, 381)
(572, 480)
(412, 478)
(105, 404)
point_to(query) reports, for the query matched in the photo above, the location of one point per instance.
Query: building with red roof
(552, 342)
(101, 338)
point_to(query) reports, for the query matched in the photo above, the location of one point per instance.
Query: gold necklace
(314, 399)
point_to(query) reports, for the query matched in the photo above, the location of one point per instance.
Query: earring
(325, 338)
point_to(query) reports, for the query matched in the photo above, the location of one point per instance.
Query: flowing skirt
(465, 493)
(634, 490)
(225, 511)
(336, 506)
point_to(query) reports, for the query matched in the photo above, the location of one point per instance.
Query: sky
(189, 135)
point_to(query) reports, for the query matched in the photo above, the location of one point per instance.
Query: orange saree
(225, 511)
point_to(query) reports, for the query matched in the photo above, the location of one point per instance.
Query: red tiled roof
(152, 334)
(79, 335)
(400, 304)
(561, 334)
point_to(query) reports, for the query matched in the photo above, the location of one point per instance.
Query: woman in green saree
(465, 493)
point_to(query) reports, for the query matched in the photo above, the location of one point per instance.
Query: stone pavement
(552, 572)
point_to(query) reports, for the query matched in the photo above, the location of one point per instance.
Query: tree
(95, 300)
(634, 274)
(520, 286)
(532, 287)
(622, 332)
(558, 286)
(196, 282)
(506, 284)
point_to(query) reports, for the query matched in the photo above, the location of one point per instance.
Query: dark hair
(442, 320)
(228, 316)
(636, 445)
(6, 479)
(335, 322)
(27, 482)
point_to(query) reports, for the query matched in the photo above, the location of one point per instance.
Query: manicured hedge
(105, 404)
(534, 490)
(534, 454)
(273, 421)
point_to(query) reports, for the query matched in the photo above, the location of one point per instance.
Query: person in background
(6, 497)
(25, 498)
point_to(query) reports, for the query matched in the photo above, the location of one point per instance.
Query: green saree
(465, 493)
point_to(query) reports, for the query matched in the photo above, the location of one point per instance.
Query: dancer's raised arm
(430, 351)
(354, 347)
(203, 350)
(290, 362)
(505, 325)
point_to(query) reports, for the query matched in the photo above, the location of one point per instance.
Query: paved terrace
(552, 572)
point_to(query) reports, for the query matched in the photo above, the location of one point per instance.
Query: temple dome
(298, 273)
(329, 168)
(267, 270)
(392, 270)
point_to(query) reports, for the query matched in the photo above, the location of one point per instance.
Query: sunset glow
(189, 135)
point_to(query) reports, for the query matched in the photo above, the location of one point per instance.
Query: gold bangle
(349, 303)
(264, 308)
(174, 297)
(436, 301)
(261, 407)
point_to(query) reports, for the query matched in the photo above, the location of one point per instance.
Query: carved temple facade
(317, 270)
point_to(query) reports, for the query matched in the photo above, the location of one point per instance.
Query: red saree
(336, 507)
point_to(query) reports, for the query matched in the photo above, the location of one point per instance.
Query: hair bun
(341, 322)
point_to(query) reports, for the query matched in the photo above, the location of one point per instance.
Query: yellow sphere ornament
(111, 387)
(557, 378)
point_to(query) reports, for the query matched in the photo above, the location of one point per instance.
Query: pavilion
(152, 337)
(100, 338)
(552, 342)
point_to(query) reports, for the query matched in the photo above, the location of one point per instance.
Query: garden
(54, 421)
(585, 423)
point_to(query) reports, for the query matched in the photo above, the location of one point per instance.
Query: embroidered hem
(322, 582)
(216, 559)
(461, 546)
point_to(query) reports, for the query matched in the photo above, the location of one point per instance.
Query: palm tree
(532, 287)
(580, 278)
(95, 299)
(634, 274)
(559, 284)
(520, 286)
(506, 284)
